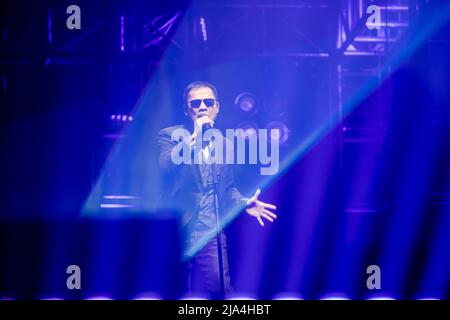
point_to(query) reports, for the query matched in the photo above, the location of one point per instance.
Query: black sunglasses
(197, 102)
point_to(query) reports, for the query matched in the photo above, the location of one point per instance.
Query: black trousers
(203, 274)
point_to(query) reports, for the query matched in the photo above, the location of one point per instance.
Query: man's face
(196, 109)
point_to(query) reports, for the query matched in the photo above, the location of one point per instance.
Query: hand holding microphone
(204, 122)
(201, 123)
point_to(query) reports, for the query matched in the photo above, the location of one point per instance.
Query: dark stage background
(364, 173)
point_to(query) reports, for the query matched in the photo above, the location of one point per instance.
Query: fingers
(270, 213)
(204, 120)
(267, 217)
(260, 221)
(254, 199)
(268, 205)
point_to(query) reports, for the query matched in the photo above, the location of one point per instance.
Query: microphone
(205, 128)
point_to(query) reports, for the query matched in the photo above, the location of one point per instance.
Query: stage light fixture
(247, 103)
(121, 118)
(283, 130)
(204, 30)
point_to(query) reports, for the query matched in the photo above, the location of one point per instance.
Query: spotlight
(246, 102)
(120, 118)
(99, 298)
(381, 298)
(115, 206)
(203, 28)
(242, 297)
(148, 296)
(121, 197)
(283, 131)
(288, 296)
(335, 296)
(122, 33)
(194, 297)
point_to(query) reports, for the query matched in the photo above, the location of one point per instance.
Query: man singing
(205, 192)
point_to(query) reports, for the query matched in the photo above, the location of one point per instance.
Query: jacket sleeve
(165, 146)
(233, 194)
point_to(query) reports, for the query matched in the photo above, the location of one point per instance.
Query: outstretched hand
(259, 209)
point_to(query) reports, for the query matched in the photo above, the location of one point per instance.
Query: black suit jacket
(182, 182)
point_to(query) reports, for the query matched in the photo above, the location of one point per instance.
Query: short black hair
(198, 84)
